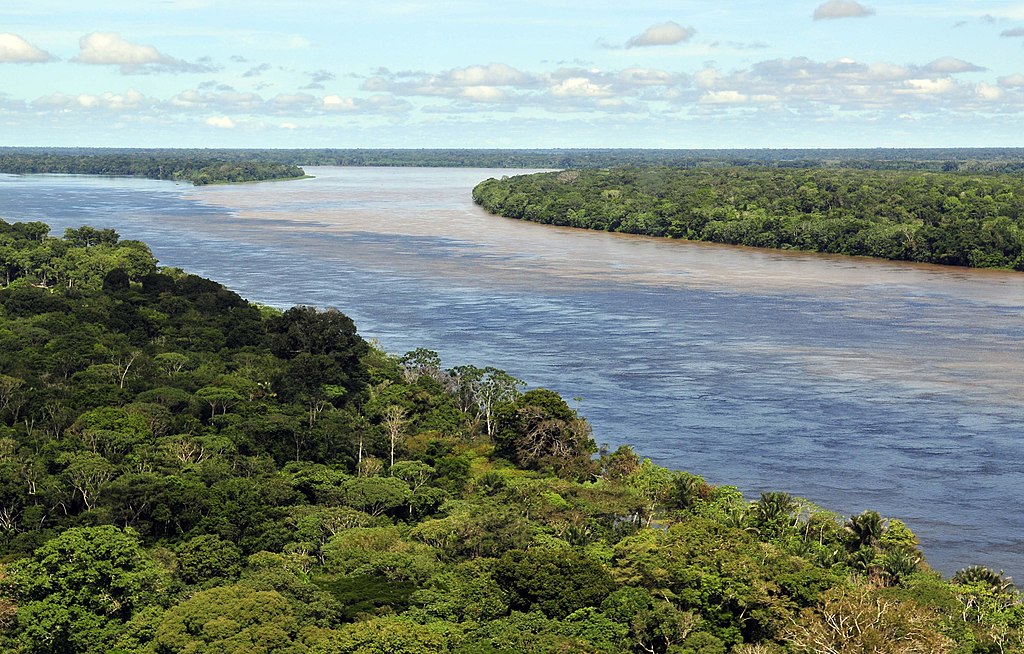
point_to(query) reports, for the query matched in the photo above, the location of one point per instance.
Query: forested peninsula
(184, 471)
(953, 218)
(165, 165)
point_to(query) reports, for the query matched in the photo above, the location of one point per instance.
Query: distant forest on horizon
(969, 160)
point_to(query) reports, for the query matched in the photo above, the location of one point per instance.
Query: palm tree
(867, 528)
(979, 574)
(773, 513)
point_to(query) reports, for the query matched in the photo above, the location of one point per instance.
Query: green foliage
(182, 471)
(539, 431)
(555, 582)
(78, 589)
(208, 557)
(231, 620)
(199, 170)
(936, 217)
(364, 595)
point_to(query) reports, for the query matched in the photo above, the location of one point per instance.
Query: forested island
(953, 218)
(168, 165)
(184, 471)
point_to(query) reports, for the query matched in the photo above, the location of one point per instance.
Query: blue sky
(461, 73)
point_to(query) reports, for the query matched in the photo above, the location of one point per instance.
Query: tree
(374, 495)
(773, 514)
(386, 635)
(87, 473)
(495, 388)
(653, 484)
(394, 422)
(554, 581)
(851, 621)
(866, 529)
(79, 589)
(540, 431)
(218, 398)
(230, 620)
(208, 557)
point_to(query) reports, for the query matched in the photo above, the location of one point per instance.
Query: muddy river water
(855, 383)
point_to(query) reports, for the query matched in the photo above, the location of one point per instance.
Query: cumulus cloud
(580, 87)
(16, 50)
(927, 86)
(1016, 32)
(130, 100)
(1012, 81)
(222, 122)
(842, 9)
(320, 76)
(668, 33)
(317, 79)
(293, 100)
(723, 97)
(952, 65)
(848, 87)
(256, 71)
(989, 92)
(374, 104)
(109, 49)
(235, 101)
(471, 84)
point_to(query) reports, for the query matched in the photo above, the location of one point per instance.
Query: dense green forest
(169, 165)
(1007, 160)
(182, 471)
(947, 218)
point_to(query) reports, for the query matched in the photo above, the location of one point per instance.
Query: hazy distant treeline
(924, 159)
(170, 165)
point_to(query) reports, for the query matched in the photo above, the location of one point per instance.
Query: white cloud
(16, 50)
(484, 94)
(128, 101)
(338, 103)
(842, 9)
(645, 77)
(668, 33)
(455, 83)
(580, 87)
(223, 101)
(1012, 81)
(1013, 33)
(490, 75)
(293, 100)
(950, 65)
(109, 49)
(802, 86)
(989, 92)
(256, 71)
(375, 104)
(928, 86)
(723, 97)
(222, 122)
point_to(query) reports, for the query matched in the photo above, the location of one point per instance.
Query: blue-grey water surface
(855, 383)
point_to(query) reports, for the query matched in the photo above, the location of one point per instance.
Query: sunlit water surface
(855, 383)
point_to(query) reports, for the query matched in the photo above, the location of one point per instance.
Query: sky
(516, 74)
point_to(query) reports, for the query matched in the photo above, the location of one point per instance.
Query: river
(854, 383)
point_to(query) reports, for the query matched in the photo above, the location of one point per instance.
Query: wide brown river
(855, 383)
